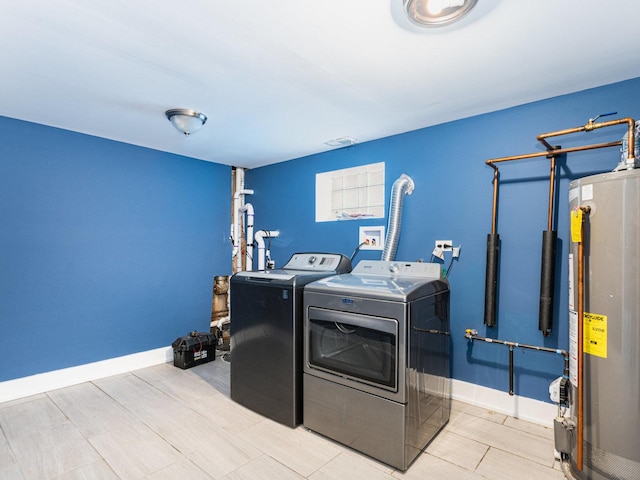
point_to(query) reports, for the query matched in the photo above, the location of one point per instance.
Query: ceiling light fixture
(341, 142)
(436, 13)
(185, 120)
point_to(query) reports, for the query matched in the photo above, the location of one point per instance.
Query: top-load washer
(377, 358)
(266, 334)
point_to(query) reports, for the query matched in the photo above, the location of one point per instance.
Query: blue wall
(107, 249)
(452, 200)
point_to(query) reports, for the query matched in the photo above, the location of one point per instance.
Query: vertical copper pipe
(493, 247)
(552, 185)
(580, 399)
(494, 210)
(631, 141)
(548, 260)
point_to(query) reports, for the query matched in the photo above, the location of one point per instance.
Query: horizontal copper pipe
(517, 157)
(553, 152)
(591, 125)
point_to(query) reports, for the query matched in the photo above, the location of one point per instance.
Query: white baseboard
(44, 382)
(524, 408)
(528, 409)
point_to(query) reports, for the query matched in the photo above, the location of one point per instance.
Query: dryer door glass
(359, 347)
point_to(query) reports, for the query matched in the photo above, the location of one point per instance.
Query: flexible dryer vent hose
(402, 186)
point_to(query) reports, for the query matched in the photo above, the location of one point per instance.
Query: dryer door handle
(348, 320)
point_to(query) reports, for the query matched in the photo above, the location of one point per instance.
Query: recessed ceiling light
(436, 13)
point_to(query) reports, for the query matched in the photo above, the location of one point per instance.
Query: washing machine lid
(302, 268)
(396, 281)
(280, 274)
(277, 274)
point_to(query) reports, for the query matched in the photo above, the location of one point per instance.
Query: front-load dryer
(377, 358)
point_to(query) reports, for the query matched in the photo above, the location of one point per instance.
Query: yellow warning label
(576, 225)
(595, 334)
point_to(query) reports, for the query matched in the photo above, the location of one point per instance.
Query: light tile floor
(165, 423)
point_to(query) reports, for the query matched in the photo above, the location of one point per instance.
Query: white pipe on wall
(248, 208)
(260, 236)
(238, 206)
(235, 237)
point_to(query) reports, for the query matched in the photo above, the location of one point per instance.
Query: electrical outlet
(444, 245)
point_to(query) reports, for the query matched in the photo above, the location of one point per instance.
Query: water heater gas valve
(559, 391)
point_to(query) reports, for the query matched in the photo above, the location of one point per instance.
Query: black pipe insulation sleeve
(491, 281)
(547, 280)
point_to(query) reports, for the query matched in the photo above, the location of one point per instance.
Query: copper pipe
(631, 140)
(580, 320)
(551, 153)
(580, 400)
(552, 184)
(556, 152)
(631, 123)
(589, 147)
(518, 157)
(546, 144)
(494, 211)
(548, 260)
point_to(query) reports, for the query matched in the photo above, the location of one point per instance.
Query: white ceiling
(279, 78)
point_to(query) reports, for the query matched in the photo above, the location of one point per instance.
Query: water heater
(611, 326)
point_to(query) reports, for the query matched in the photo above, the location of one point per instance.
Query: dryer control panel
(319, 262)
(400, 269)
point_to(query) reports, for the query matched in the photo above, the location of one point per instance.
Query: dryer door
(357, 348)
